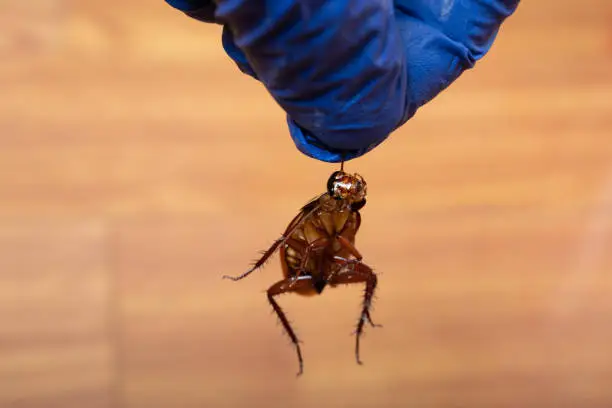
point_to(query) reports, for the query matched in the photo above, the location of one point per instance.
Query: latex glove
(350, 72)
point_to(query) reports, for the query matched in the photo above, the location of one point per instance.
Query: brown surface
(137, 166)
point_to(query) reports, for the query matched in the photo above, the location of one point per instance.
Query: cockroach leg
(297, 222)
(259, 263)
(346, 244)
(304, 249)
(359, 273)
(370, 320)
(306, 255)
(286, 286)
(297, 244)
(345, 265)
(338, 260)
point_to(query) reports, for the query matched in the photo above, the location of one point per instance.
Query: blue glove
(350, 72)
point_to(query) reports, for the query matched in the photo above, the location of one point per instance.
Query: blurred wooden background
(137, 165)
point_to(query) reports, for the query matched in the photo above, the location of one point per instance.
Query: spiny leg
(358, 273)
(259, 263)
(293, 225)
(351, 263)
(307, 253)
(287, 286)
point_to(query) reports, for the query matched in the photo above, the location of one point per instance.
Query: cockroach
(318, 250)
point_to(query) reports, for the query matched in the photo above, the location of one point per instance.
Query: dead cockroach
(318, 249)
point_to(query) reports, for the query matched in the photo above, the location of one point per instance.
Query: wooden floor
(137, 165)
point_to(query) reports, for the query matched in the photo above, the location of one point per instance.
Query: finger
(473, 23)
(203, 10)
(336, 67)
(443, 38)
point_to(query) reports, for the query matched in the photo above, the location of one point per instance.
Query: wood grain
(137, 166)
(55, 334)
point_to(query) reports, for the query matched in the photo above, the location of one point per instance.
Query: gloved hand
(349, 72)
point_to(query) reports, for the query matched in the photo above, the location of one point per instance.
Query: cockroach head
(351, 188)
